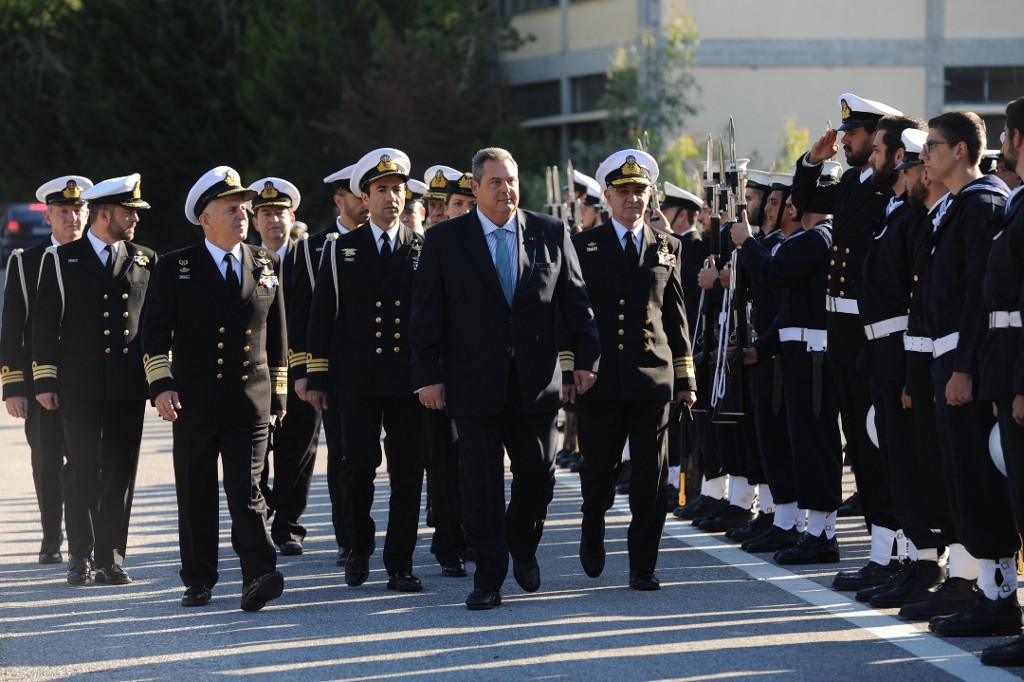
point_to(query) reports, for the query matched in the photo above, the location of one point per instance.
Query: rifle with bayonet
(704, 334)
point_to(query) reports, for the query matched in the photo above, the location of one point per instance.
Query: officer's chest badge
(141, 259)
(184, 269)
(591, 246)
(417, 249)
(664, 257)
(261, 258)
(268, 278)
(348, 255)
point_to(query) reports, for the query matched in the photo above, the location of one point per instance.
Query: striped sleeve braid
(296, 359)
(41, 372)
(314, 365)
(567, 360)
(279, 377)
(157, 367)
(684, 367)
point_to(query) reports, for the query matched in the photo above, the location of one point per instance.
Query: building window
(983, 84)
(587, 92)
(535, 100)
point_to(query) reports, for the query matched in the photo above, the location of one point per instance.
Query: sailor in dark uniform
(87, 361)
(436, 179)
(66, 212)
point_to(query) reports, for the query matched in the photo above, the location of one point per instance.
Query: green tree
(792, 145)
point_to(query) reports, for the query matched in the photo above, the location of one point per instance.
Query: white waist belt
(1002, 319)
(816, 339)
(834, 304)
(947, 343)
(884, 328)
(917, 344)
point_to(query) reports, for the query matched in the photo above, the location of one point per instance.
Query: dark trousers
(242, 449)
(44, 431)
(331, 420)
(978, 493)
(817, 451)
(445, 492)
(706, 452)
(361, 421)
(772, 434)
(604, 428)
(1011, 435)
(293, 446)
(854, 397)
(102, 440)
(492, 530)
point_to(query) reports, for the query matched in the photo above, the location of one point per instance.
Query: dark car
(23, 226)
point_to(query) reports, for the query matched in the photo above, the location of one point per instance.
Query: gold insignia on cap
(846, 110)
(386, 164)
(464, 181)
(408, 193)
(137, 190)
(438, 181)
(631, 167)
(71, 190)
(232, 179)
(268, 190)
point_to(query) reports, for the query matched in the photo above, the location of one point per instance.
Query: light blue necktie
(501, 262)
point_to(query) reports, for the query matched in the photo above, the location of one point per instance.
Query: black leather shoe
(910, 586)
(702, 505)
(404, 581)
(730, 517)
(291, 548)
(811, 549)
(259, 591)
(866, 594)
(79, 572)
(483, 600)
(851, 506)
(357, 568)
(870, 575)
(343, 553)
(951, 596)
(716, 509)
(983, 617)
(774, 540)
(758, 526)
(1009, 654)
(576, 463)
(456, 568)
(112, 575)
(527, 573)
(49, 553)
(644, 581)
(196, 595)
(592, 556)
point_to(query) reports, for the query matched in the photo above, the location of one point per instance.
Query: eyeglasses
(930, 145)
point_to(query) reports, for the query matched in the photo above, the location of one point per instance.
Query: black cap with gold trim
(216, 183)
(380, 163)
(858, 112)
(64, 191)
(124, 191)
(628, 167)
(459, 185)
(437, 178)
(273, 191)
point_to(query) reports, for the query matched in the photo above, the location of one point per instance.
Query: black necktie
(229, 275)
(632, 255)
(111, 256)
(385, 248)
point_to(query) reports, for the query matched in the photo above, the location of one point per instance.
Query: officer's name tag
(184, 276)
(591, 246)
(72, 260)
(349, 255)
(667, 259)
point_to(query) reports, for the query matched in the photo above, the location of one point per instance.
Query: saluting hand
(167, 405)
(824, 148)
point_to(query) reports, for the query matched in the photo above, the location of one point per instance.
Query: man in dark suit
(358, 364)
(66, 213)
(633, 277)
(217, 308)
(87, 361)
(294, 441)
(484, 348)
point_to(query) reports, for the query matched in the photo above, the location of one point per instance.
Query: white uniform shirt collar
(100, 246)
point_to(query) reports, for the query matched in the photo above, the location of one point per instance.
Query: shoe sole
(405, 588)
(483, 607)
(268, 591)
(77, 583)
(55, 559)
(454, 574)
(291, 552)
(104, 581)
(995, 631)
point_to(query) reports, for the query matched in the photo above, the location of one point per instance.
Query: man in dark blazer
(294, 441)
(217, 309)
(87, 361)
(633, 277)
(490, 288)
(66, 213)
(358, 364)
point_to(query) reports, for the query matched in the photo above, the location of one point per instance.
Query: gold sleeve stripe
(279, 375)
(296, 359)
(567, 360)
(9, 376)
(157, 367)
(44, 371)
(316, 365)
(684, 367)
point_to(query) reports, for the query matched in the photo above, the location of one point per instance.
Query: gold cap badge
(71, 190)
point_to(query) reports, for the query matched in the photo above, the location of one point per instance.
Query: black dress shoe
(866, 594)
(1008, 654)
(730, 517)
(951, 596)
(291, 548)
(851, 506)
(811, 549)
(575, 464)
(527, 573)
(698, 506)
(404, 581)
(758, 526)
(343, 553)
(259, 591)
(592, 556)
(910, 586)
(456, 568)
(870, 575)
(49, 553)
(357, 568)
(79, 572)
(644, 581)
(717, 508)
(483, 600)
(112, 575)
(983, 617)
(774, 540)
(196, 595)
